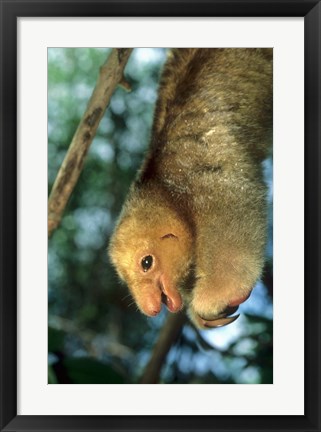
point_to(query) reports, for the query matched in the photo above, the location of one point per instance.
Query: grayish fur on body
(203, 178)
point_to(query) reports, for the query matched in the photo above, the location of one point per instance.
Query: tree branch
(111, 74)
(168, 335)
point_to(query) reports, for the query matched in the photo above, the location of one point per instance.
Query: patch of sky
(237, 364)
(269, 246)
(156, 323)
(101, 149)
(135, 106)
(83, 92)
(245, 346)
(222, 337)
(147, 94)
(72, 106)
(142, 58)
(149, 55)
(189, 333)
(187, 360)
(268, 176)
(117, 103)
(106, 126)
(132, 141)
(79, 353)
(142, 358)
(258, 303)
(202, 363)
(219, 367)
(52, 359)
(55, 55)
(92, 222)
(59, 116)
(135, 126)
(249, 375)
(207, 360)
(57, 113)
(172, 355)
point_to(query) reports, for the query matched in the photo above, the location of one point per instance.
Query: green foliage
(90, 371)
(77, 370)
(55, 340)
(52, 379)
(96, 334)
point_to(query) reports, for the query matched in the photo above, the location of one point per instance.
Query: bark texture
(111, 74)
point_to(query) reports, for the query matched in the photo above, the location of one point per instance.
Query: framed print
(49, 54)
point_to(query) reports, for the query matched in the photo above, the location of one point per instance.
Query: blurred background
(95, 333)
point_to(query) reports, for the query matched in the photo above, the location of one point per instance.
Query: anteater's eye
(147, 262)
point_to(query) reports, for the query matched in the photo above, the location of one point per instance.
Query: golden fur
(198, 206)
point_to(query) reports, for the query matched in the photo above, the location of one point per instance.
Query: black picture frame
(10, 11)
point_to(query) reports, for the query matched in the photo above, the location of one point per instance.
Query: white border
(286, 395)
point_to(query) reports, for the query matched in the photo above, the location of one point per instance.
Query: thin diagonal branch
(167, 337)
(111, 74)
